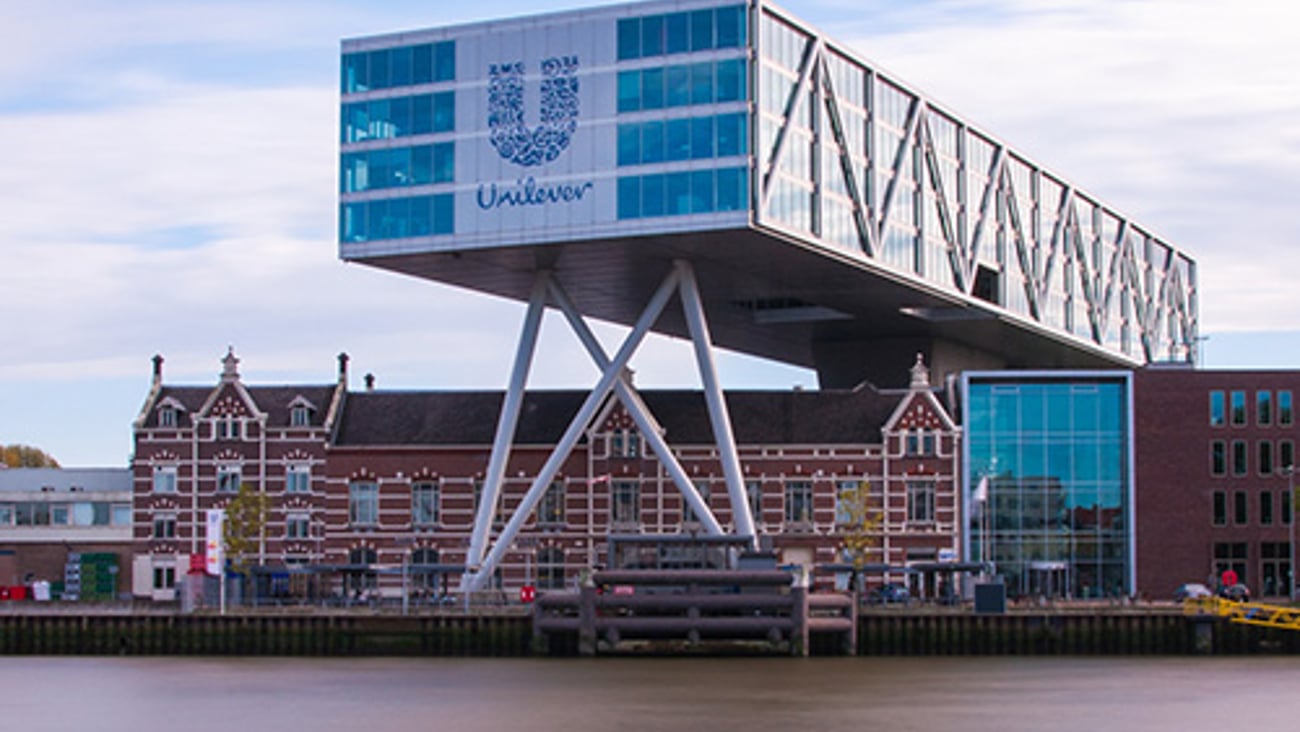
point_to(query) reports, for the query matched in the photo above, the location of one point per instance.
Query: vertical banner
(214, 552)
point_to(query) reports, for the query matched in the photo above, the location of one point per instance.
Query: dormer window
(624, 444)
(919, 442)
(167, 417)
(299, 416)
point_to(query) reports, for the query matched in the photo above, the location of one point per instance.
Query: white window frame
(164, 479)
(426, 498)
(297, 479)
(224, 480)
(166, 519)
(921, 502)
(363, 503)
(297, 525)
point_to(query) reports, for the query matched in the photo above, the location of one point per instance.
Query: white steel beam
(476, 578)
(508, 420)
(651, 432)
(718, 416)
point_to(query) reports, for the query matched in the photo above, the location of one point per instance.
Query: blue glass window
(731, 135)
(652, 35)
(678, 83)
(421, 115)
(399, 115)
(652, 88)
(629, 91)
(731, 189)
(444, 111)
(678, 201)
(652, 195)
(702, 30)
(629, 197)
(378, 69)
(444, 61)
(400, 66)
(444, 219)
(702, 198)
(681, 193)
(679, 139)
(702, 137)
(421, 164)
(396, 218)
(730, 26)
(422, 64)
(678, 31)
(629, 39)
(702, 83)
(629, 144)
(652, 141)
(444, 162)
(731, 80)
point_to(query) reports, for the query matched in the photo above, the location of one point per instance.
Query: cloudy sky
(169, 178)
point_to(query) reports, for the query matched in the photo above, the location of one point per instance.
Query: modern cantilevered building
(805, 205)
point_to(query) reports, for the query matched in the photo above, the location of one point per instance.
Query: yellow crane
(1247, 613)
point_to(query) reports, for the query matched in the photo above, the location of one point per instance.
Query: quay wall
(511, 634)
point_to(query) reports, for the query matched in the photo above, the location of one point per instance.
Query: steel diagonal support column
(507, 421)
(718, 416)
(645, 421)
(580, 420)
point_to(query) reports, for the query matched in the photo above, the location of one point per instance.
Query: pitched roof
(273, 400)
(757, 417)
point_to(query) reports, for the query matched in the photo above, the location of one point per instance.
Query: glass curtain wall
(1050, 483)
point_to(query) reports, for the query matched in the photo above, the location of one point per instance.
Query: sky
(169, 172)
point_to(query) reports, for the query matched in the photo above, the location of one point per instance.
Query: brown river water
(611, 694)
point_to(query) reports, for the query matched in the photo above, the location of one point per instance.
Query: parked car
(889, 593)
(1237, 592)
(1191, 591)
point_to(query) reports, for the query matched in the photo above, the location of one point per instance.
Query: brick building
(391, 478)
(1214, 450)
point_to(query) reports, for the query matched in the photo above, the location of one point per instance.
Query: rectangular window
(167, 417)
(1218, 409)
(1240, 462)
(1240, 508)
(1230, 556)
(550, 511)
(164, 480)
(297, 525)
(1220, 508)
(363, 503)
(1264, 408)
(920, 502)
(228, 479)
(120, 514)
(424, 503)
(1238, 408)
(1264, 452)
(297, 479)
(58, 514)
(846, 499)
(299, 417)
(164, 526)
(1286, 508)
(164, 578)
(1266, 508)
(6, 514)
(1218, 457)
(1284, 413)
(629, 39)
(625, 502)
(798, 502)
(1285, 453)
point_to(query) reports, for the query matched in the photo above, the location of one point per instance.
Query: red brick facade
(798, 448)
(1198, 514)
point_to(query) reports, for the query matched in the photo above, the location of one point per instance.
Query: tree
(25, 456)
(245, 522)
(859, 523)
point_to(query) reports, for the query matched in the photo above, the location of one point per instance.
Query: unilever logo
(529, 147)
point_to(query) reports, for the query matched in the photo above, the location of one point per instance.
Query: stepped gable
(757, 417)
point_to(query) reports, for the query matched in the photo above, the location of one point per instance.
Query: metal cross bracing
(851, 159)
(481, 560)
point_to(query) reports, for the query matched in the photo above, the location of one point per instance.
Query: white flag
(982, 490)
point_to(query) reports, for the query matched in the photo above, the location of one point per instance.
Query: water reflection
(377, 695)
